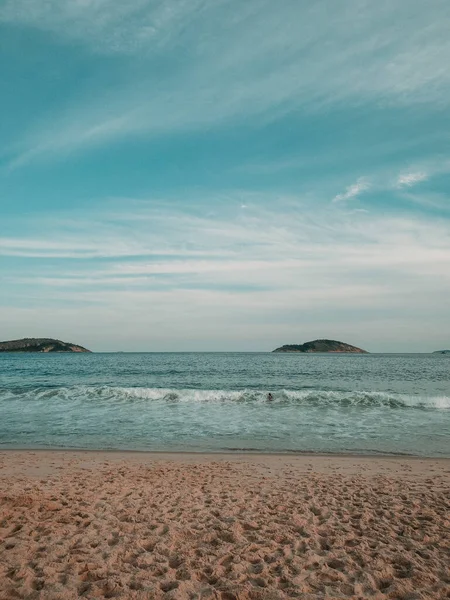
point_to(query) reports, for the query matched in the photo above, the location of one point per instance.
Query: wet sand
(130, 525)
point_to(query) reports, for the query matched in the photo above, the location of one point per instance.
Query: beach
(139, 525)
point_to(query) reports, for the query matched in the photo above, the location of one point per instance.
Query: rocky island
(441, 352)
(321, 346)
(40, 345)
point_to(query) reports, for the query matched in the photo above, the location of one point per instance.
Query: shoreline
(241, 453)
(49, 461)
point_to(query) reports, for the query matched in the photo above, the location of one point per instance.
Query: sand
(144, 526)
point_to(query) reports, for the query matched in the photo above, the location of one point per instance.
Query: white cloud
(259, 61)
(353, 190)
(182, 275)
(410, 179)
(260, 246)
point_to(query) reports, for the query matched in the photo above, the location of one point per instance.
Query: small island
(321, 346)
(40, 345)
(441, 352)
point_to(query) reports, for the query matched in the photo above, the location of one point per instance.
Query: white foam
(110, 394)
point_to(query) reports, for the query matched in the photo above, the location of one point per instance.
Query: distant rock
(40, 345)
(321, 346)
(441, 352)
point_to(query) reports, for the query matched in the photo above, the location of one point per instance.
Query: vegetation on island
(40, 345)
(321, 346)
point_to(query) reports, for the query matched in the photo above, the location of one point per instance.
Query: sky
(224, 175)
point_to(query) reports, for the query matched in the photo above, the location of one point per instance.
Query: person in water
(269, 396)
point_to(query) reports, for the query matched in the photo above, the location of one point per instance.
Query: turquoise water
(393, 404)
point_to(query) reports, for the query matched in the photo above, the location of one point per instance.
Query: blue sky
(220, 175)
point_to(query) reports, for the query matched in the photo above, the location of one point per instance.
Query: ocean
(325, 403)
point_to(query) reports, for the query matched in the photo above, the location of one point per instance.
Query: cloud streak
(353, 190)
(235, 65)
(183, 275)
(261, 247)
(410, 179)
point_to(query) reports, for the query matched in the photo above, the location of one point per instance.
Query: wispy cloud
(219, 273)
(387, 179)
(235, 65)
(410, 179)
(259, 245)
(107, 26)
(353, 190)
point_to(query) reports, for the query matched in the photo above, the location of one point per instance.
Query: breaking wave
(122, 395)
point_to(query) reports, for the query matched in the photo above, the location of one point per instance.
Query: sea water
(344, 403)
